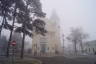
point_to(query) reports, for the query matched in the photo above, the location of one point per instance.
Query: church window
(48, 48)
(85, 50)
(53, 48)
(89, 49)
(93, 50)
(43, 48)
(38, 48)
(43, 40)
(35, 45)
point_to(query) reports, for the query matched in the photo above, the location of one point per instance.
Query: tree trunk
(75, 48)
(23, 42)
(3, 21)
(81, 47)
(63, 45)
(2, 26)
(10, 37)
(22, 47)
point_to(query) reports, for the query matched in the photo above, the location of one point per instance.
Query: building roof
(93, 42)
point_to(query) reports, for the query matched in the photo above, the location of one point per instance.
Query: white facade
(90, 47)
(50, 44)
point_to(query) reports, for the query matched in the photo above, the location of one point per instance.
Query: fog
(73, 13)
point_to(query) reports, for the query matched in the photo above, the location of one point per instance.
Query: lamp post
(63, 42)
(13, 48)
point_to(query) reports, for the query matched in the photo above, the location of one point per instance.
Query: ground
(68, 60)
(17, 60)
(62, 60)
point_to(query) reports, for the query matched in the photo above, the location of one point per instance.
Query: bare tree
(77, 36)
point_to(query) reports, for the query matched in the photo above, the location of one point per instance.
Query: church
(50, 44)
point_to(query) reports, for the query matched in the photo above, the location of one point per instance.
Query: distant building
(90, 47)
(50, 44)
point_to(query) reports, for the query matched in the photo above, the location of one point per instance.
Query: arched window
(93, 50)
(89, 49)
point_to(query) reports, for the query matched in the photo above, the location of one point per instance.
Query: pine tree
(24, 12)
(5, 13)
(28, 23)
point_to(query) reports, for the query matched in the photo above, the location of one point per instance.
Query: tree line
(26, 14)
(77, 36)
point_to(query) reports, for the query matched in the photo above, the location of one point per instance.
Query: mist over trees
(77, 36)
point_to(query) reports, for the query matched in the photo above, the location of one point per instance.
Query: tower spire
(54, 16)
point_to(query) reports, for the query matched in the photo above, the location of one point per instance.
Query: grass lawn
(23, 61)
(27, 62)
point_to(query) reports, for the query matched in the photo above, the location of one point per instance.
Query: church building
(50, 44)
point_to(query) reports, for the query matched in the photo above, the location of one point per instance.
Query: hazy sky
(73, 13)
